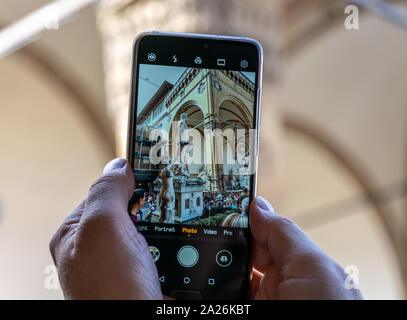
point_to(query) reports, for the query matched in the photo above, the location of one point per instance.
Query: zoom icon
(151, 57)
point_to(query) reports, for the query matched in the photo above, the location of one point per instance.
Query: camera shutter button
(187, 256)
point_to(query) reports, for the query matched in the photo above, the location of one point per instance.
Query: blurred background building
(333, 135)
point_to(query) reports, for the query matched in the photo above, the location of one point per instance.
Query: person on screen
(245, 206)
(149, 214)
(235, 220)
(292, 265)
(245, 193)
(135, 205)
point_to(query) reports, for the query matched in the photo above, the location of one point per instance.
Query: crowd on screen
(227, 200)
(144, 208)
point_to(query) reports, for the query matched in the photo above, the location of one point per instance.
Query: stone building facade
(211, 99)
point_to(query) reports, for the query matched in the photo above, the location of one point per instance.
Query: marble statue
(192, 203)
(179, 166)
(166, 197)
(204, 175)
(182, 127)
(158, 182)
(244, 181)
(234, 183)
(180, 169)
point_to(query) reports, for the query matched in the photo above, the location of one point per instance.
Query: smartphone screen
(193, 145)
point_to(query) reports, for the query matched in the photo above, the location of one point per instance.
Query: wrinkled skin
(293, 266)
(99, 253)
(97, 250)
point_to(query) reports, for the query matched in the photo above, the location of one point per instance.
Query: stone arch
(194, 111)
(196, 116)
(233, 114)
(235, 111)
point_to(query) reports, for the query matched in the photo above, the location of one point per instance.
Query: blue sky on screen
(152, 76)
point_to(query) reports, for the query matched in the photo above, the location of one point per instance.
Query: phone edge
(130, 129)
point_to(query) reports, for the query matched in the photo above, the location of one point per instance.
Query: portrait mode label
(164, 229)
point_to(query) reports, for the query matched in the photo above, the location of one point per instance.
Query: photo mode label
(189, 230)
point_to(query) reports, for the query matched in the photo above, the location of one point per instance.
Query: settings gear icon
(244, 64)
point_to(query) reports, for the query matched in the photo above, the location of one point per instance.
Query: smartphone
(193, 145)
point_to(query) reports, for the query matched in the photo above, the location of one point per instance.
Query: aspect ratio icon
(151, 57)
(221, 62)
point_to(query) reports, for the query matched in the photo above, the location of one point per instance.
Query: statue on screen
(244, 181)
(192, 203)
(158, 182)
(204, 175)
(180, 167)
(166, 197)
(184, 138)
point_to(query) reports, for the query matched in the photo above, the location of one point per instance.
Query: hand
(294, 267)
(98, 251)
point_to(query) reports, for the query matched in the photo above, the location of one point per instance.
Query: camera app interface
(193, 165)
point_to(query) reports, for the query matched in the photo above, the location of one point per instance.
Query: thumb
(281, 237)
(111, 192)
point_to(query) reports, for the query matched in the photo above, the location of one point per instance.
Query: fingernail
(114, 164)
(264, 204)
